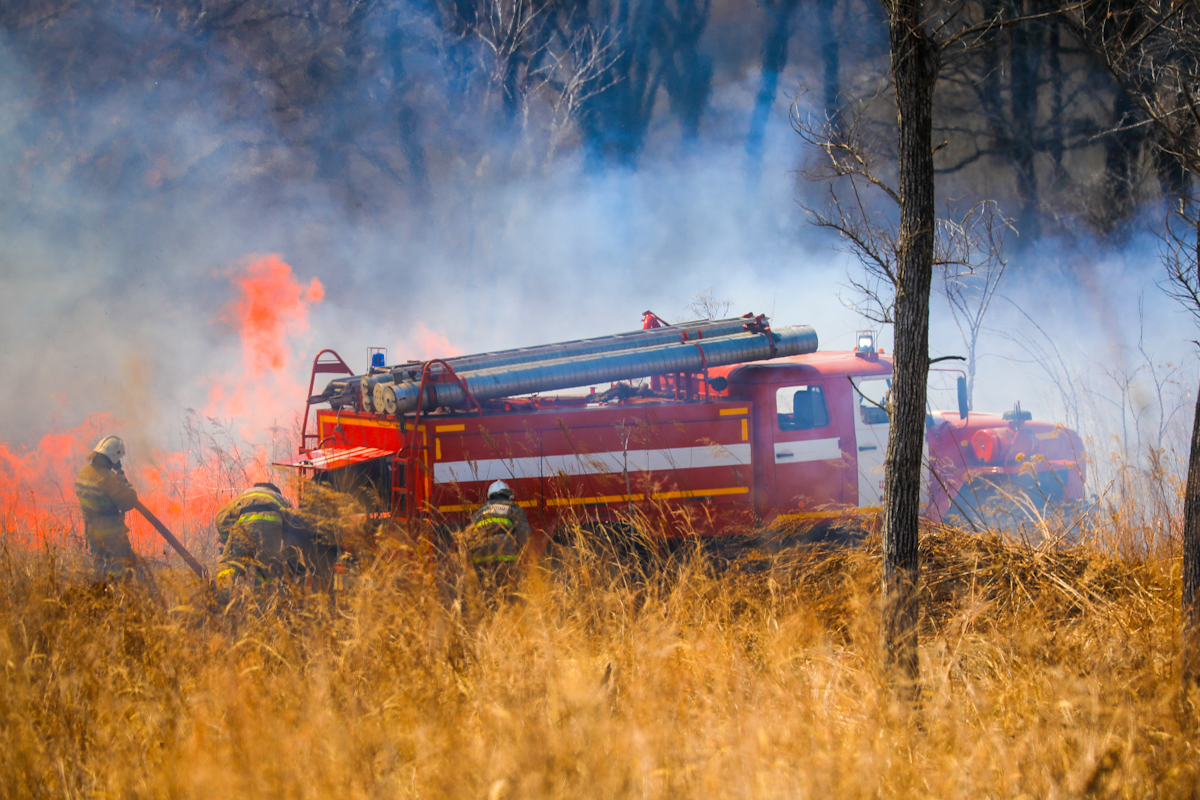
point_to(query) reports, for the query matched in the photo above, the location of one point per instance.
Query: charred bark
(1190, 568)
(1191, 560)
(1057, 147)
(915, 63)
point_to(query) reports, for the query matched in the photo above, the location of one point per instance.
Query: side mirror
(962, 397)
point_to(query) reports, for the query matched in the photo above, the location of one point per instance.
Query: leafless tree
(1181, 255)
(1039, 349)
(971, 270)
(706, 305)
(899, 248)
(532, 51)
(1153, 50)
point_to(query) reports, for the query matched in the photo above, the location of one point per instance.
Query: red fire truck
(720, 427)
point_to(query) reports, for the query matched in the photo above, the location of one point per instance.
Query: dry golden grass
(1046, 674)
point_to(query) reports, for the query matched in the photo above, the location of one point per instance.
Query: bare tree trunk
(774, 60)
(972, 350)
(829, 57)
(1191, 561)
(406, 116)
(1024, 53)
(1120, 167)
(914, 57)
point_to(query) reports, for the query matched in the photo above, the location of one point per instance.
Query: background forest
(387, 106)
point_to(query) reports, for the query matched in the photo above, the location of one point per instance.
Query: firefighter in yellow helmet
(251, 529)
(498, 538)
(105, 495)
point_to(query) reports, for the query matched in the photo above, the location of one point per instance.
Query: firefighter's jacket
(255, 505)
(105, 494)
(499, 531)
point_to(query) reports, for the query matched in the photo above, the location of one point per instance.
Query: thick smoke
(138, 197)
(116, 299)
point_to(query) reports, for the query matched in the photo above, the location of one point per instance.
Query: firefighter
(498, 537)
(251, 528)
(105, 495)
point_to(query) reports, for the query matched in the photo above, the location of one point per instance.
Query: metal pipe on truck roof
(702, 329)
(565, 373)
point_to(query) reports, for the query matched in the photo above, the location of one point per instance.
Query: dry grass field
(1047, 673)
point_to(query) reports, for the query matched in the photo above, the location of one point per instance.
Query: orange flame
(433, 344)
(271, 308)
(184, 489)
(37, 498)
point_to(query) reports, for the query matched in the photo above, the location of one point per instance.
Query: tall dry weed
(1046, 673)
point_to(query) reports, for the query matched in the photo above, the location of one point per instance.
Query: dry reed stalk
(1047, 673)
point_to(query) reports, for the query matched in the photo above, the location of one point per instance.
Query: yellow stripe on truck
(701, 493)
(601, 500)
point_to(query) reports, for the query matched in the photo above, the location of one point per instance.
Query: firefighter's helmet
(112, 447)
(500, 489)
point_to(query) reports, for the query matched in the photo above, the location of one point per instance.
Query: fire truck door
(871, 437)
(808, 453)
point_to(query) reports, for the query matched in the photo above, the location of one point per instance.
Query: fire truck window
(873, 400)
(801, 408)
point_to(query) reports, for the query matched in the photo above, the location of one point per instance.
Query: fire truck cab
(821, 426)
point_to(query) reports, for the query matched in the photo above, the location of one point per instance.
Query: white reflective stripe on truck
(612, 462)
(808, 450)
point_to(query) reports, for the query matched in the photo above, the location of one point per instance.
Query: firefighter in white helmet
(498, 536)
(105, 495)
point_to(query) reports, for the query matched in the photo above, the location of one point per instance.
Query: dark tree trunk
(688, 72)
(407, 121)
(914, 57)
(1058, 92)
(1024, 56)
(989, 82)
(614, 123)
(1122, 149)
(830, 56)
(774, 59)
(1191, 559)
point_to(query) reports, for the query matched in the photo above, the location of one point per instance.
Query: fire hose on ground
(195, 565)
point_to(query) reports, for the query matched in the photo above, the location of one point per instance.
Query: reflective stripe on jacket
(494, 558)
(261, 517)
(502, 517)
(256, 504)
